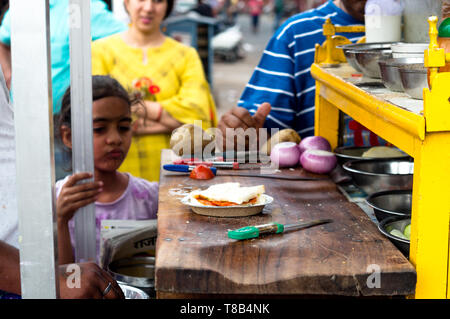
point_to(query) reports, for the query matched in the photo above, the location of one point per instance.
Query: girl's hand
(74, 196)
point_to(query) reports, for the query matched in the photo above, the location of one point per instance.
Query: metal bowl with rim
(381, 174)
(137, 272)
(351, 59)
(366, 46)
(367, 61)
(390, 223)
(390, 74)
(350, 153)
(350, 49)
(366, 55)
(409, 50)
(414, 79)
(395, 203)
(131, 292)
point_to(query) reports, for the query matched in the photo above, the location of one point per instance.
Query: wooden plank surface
(195, 256)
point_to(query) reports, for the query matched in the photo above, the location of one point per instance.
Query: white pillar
(81, 107)
(32, 102)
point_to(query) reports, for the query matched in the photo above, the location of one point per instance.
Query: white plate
(227, 211)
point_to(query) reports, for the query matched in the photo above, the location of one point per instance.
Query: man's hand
(92, 282)
(240, 118)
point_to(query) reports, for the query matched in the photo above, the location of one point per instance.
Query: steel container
(133, 292)
(367, 61)
(381, 174)
(137, 272)
(395, 203)
(350, 153)
(409, 50)
(386, 225)
(414, 79)
(390, 74)
(351, 59)
(368, 66)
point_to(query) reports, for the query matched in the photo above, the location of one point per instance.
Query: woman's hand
(74, 196)
(145, 127)
(148, 110)
(154, 113)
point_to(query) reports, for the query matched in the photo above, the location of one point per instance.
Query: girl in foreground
(116, 195)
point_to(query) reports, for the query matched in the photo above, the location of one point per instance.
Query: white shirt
(9, 227)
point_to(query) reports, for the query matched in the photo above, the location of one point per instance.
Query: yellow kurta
(184, 91)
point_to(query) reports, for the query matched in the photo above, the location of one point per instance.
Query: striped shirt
(283, 76)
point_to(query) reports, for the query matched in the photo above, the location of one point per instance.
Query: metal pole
(32, 102)
(81, 107)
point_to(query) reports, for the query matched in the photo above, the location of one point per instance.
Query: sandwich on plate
(228, 194)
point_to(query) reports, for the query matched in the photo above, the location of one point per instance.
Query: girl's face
(146, 15)
(112, 132)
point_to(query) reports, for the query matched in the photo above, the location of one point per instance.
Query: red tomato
(201, 172)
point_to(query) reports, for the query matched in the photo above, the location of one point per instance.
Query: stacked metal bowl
(381, 174)
(405, 71)
(399, 65)
(136, 275)
(350, 153)
(393, 212)
(395, 203)
(364, 57)
(408, 50)
(390, 71)
(391, 169)
(388, 183)
(391, 226)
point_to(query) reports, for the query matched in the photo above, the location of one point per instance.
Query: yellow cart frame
(424, 136)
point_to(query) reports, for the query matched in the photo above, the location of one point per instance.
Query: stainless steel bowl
(409, 50)
(381, 174)
(351, 59)
(350, 49)
(390, 74)
(350, 153)
(138, 272)
(133, 292)
(367, 46)
(414, 79)
(396, 203)
(367, 61)
(386, 225)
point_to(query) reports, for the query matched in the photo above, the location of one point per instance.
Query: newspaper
(126, 238)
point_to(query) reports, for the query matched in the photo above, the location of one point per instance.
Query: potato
(189, 139)
(285, 135)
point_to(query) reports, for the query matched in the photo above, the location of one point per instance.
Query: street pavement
(230, 78)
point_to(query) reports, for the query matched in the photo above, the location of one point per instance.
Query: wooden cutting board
(349, 257)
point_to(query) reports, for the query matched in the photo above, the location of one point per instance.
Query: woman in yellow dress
(170, 78)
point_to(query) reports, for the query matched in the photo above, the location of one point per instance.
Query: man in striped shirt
(281, 91)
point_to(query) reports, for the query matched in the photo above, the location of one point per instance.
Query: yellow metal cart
(423, 133)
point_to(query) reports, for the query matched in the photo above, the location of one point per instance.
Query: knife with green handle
(249, 232)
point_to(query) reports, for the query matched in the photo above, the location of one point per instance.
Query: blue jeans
(7, 295)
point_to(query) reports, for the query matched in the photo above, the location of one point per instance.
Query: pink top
(255, 7)
(139, 201)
